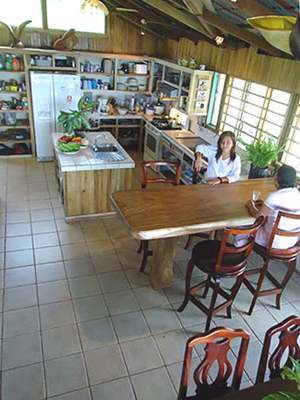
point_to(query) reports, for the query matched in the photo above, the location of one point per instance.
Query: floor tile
(17, 217)
(84, 286)
(57, 314)
(130, 326)
(62, 225)
(125, 244)
(45, 240)
(19, 276)
(175, 371)
(65, 374)
(162, 319)
(92, 223)
(99, 370)
(20, 297)
(171, 345)
(138, 279)
(43, 227)
(79, 267)
(18, 243)
(108, 263)
(21, 321)
(97, 333)
(124, 302)
(150, 385)
(113, 281)
(82, 394)
(60, 342)
(89, 308)
(41, 215)
(101, 247)
(71, 237)
(47, 255)
(141, 355)
(21, 350)
(51, 292)
(50, 272)
(259, 322)
(95, 234)
(19, 258)
(73, 251)
(252, 359)
(39, 204)
(13, 387)
(119, 389)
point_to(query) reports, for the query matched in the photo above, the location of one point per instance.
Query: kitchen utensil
(140, 69)
(159, 109)
(122, 111)
(149, 111)
(122, 86)
(142, 87)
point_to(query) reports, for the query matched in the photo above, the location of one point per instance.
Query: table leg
(163, 261)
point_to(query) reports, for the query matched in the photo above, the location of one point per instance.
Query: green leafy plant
(76, 119)
(293, 374)
(262, 152)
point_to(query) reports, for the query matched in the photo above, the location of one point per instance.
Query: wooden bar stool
(219, 259)
(144, 245)
(216, 350)
(287, 333)
(288, 256)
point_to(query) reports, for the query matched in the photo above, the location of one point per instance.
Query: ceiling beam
(196, 8)
(240, 33)
(251, 8)
(185, 18)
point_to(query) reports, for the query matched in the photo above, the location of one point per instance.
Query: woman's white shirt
(220, 168)
(286, 200)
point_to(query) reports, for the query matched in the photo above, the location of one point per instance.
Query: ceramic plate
(68, 153)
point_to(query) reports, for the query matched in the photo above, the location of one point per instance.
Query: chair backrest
(287, 333)
(233, 258)
(175, 165)
(217, 347)
(293, 251)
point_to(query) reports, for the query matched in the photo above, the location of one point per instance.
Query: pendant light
(94, 7)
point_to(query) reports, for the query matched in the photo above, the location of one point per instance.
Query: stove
(165, 124)
(191, 143)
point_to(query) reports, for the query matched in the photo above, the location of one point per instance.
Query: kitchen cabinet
(15, 130)
(193, 86)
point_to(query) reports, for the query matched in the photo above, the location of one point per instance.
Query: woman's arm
(198, 162)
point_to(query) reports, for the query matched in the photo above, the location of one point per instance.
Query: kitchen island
(86, 181)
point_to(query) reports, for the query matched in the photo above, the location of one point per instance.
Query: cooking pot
(140, 69)
(159, 109)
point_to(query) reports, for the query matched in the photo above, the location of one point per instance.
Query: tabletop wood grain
(174, 211)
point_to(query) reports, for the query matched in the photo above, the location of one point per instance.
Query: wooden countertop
(164, 212)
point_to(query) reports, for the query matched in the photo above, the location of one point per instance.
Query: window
(215, 100)
(82, 20)
(82, 15)
(250, 109)
(21, 11)
(291, 154)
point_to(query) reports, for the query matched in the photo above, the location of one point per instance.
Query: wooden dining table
(260, 390)
(165, 213)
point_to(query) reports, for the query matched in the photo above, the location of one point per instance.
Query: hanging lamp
(94, 7)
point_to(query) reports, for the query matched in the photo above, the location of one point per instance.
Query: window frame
(47, 30)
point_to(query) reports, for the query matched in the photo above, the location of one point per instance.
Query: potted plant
(76, 121)
(261, 153)
(292, 374)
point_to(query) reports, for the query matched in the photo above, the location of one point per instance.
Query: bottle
(14, 64)
(8, 63)
(1, 63)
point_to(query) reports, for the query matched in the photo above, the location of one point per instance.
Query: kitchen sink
(107, 152)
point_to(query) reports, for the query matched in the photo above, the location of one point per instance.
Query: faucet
(102, 136)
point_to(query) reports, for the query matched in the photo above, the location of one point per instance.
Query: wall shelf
(12, 92)
(14, 111)
(14, 126)
(96, 73)
(11, 72)
(15, 141)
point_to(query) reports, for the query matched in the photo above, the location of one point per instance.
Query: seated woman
(287, 199)
(224, 165)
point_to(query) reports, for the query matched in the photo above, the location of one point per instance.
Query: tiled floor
(79, 322)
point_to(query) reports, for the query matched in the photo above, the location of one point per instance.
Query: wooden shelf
(97, 73)
(15, 141)
(170, 84)
(11, 72)
(135, 75)
(12, 91)
(14, 111)
(35, 67)
(115, 91)
(185, 90)
(169, 99)
(128, 126)
(14, 126)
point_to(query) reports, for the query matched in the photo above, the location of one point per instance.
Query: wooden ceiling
(203, 19)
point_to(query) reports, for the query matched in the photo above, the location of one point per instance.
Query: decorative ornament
(67, 42)
(94, 7)
(16, 33)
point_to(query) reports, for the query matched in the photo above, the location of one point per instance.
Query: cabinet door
(199, 92)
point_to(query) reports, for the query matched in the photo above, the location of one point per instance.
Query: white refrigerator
(50, 94)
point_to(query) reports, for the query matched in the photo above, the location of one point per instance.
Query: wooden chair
(200, 234)
(269, 253)
(144, 245)
(217, 347)
(288, 331)
(219, 260)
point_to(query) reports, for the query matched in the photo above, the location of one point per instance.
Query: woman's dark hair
(232, 151)
(286, 176)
